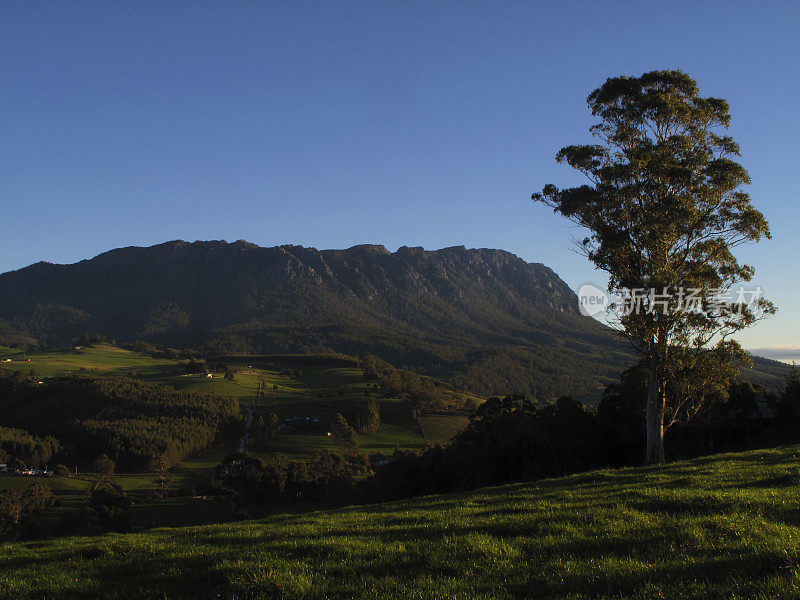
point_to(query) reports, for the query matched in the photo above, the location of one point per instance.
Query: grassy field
(107, 360)
(104, 359)
(318, 390)
(720, 527)
(440, 429)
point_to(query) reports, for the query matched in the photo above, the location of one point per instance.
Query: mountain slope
(717, 527)
(484, 318)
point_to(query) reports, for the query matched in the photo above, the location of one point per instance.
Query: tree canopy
(665, 208)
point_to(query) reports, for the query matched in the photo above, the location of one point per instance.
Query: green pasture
(440, 429)
(722, 527)
(102, 359)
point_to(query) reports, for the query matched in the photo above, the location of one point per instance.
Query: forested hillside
(137, 424)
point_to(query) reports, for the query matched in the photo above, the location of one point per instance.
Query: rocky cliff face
(127, 281)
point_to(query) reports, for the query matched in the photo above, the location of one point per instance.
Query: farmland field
(314, 390)
(291, 387)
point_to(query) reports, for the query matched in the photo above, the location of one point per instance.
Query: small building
(209, 376)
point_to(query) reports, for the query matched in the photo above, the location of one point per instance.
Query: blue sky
(335, 123)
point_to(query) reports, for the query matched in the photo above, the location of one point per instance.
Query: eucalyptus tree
(664, 207)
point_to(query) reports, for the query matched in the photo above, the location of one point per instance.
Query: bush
(17, 507)
(110, 506)
(327, 479)
(104, 466)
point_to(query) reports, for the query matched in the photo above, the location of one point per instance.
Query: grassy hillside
(721, 527)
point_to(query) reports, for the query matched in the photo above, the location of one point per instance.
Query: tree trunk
(655, 419)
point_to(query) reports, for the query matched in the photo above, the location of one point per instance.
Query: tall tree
(344, 435)
(104, 466)
(665, 208)
(369, 417)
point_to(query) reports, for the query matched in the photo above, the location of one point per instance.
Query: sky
(330, 124)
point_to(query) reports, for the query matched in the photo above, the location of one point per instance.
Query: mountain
(485, 319)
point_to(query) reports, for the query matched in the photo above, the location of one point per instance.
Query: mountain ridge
(483, 318)
(360, 271)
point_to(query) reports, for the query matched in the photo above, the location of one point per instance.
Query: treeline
(33, 451)
(257, 485)
(507, 440)
(512, 439)
(323, 359)
(156, 351)
(134, 423)
(46, 321)
(748, 417)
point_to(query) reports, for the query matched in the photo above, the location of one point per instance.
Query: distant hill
(767, 372)
(485, 319)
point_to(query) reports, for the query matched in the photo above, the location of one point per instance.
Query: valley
(314, 387)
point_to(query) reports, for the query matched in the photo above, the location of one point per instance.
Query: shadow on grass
(742, 569)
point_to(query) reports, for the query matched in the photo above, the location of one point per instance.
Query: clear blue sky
(335, 123)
